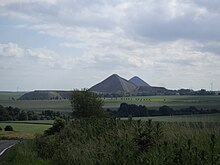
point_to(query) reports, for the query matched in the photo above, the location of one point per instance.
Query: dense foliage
(113, 141)
(15, 114)
(10, 113)
(58, 125)
(86, 104)
(126, 110)
(8, 128)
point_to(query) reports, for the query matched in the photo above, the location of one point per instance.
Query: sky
(68, 44)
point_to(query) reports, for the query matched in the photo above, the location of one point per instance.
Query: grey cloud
(186, 22)
(11, 50)
(210, 47)
(33, 11)
(157, 20)
(78, 13)
(212, 6)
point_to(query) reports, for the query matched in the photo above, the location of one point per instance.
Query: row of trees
(126, 110)
(10, 113)
(15, 114)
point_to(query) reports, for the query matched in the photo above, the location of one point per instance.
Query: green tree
(86, 104)
(8, 128)
(23, 115)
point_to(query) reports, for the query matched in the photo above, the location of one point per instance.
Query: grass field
(39, 105)
(23, 130)
(177, 102)
(9, 95)
(34, 105)
(152, 102)
(184, 118)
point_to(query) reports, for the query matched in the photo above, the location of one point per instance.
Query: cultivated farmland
(24, 130)
(176, 102)
(152, 102)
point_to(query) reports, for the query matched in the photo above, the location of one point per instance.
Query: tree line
(126, 110)
(15, 114)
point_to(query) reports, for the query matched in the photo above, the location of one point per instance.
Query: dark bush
(8, 128)
(58, 125)
(0, 128)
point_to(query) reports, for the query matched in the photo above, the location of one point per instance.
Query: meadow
(39, 105)
(24, 129)
(9, 95)
(151, 102)
(176, 102)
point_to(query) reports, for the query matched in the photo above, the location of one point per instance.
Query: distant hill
(139, 82)
(114, 84)
(46, 95)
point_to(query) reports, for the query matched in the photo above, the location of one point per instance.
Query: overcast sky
(66, 44)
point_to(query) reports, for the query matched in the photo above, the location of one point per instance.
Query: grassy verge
(23, 130)
(24, 154)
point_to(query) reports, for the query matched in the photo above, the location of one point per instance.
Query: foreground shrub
(8, 128)
(100, 141)
(114, 141)
(0, 128)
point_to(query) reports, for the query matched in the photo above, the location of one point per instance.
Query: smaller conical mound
(114, 84)
(46, 95)
(139, 82)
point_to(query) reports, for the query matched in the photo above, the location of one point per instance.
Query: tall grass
(24, 154)
(111, 141)
(188, 143)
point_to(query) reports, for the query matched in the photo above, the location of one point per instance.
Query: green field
(184, 118)
(152, 102)
(39, 105)
(177, 102)
(23, 130)
(31, 128)
(9, 95)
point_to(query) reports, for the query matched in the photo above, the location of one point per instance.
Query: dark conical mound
(114, 84)
(46, 95)
(139, 82)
